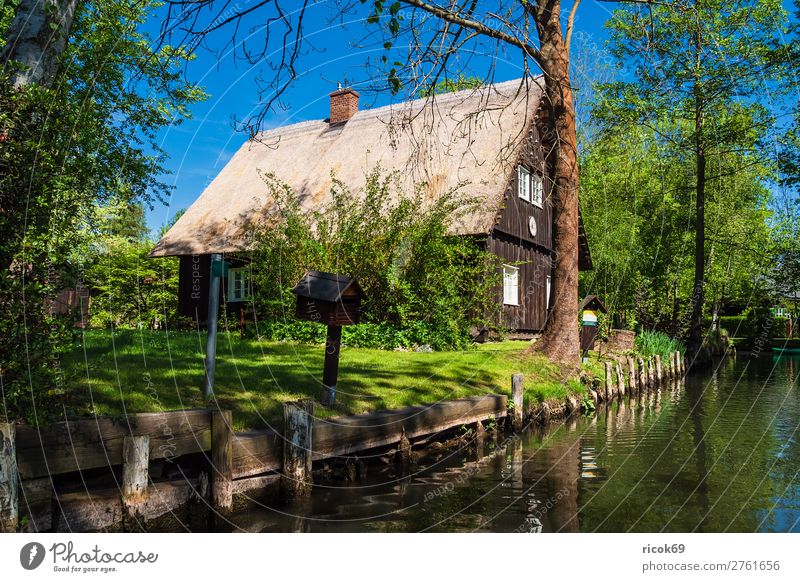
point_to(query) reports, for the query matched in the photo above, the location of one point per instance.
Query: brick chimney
(344, 105)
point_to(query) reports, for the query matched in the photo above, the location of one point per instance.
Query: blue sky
(200, 147)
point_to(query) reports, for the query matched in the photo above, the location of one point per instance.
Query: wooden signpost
(336, 301)
(590, 308)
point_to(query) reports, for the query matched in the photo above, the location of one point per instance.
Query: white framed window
(537, 190)
(238, 284)
(524, 183)
(510, 285)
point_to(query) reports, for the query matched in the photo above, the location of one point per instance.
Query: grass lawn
(147, 371)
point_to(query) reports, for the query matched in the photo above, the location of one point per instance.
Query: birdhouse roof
(327, 286)
(593, 303)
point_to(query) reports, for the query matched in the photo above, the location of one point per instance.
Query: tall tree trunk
(695, 330)
(37, 38)
(560, 339)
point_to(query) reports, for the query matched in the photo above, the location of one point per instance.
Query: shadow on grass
(129, 371)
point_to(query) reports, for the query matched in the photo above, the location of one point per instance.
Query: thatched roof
(469, 139)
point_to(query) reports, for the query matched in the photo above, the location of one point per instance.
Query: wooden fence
(32, 459)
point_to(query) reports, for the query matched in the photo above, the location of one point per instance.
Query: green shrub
(754, 324)
(650, 343)
(422, 286)
(385, 336)
(130, 290)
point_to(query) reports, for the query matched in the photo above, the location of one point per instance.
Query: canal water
(717, 453)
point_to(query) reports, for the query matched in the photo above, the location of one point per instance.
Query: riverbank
(169, 460)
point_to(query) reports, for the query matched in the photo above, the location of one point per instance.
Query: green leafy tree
(638, 206)
(76, 131)
(698, 68)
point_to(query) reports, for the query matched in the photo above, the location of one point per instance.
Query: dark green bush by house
(422, 285)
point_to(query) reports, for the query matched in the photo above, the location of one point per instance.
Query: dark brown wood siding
(193, 280)
(193, 275)
(535, 265)
(516, 212)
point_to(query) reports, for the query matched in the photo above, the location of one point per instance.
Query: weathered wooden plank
(9, 483)
(349, 434)
(75, 445)
(243, 486)
(102, 510)
(221, 460)
(256, 452)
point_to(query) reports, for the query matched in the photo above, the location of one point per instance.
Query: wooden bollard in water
(135, 460)
(9, 485)
(222, 460)
(642, 374)
(620, 380)
(631, 375)
(517, 398)
(609, 382)
(651, 371)
(296, 477)
(659, 374)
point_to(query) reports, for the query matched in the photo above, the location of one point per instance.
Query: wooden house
(490, 143)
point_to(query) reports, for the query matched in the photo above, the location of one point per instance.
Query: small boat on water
(786, 350)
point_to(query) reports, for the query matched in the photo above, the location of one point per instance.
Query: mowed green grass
(129, 371)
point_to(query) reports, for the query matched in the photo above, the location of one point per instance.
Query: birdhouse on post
(334, 300)
(591, 307)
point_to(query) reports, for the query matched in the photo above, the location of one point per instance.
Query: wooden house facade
(487, 142)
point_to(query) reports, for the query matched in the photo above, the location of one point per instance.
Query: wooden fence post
(296, 478)
(222, 460)
(642, 374)
(671, 366)
(517, 398)
(330, 371)
(609, 382)
(620, 380)
(651, 371)
(480, 440)
(632, 375)
(659, 372)
(135, 459)
(9, 485)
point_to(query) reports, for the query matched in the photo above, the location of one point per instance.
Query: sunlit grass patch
(145, 371)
